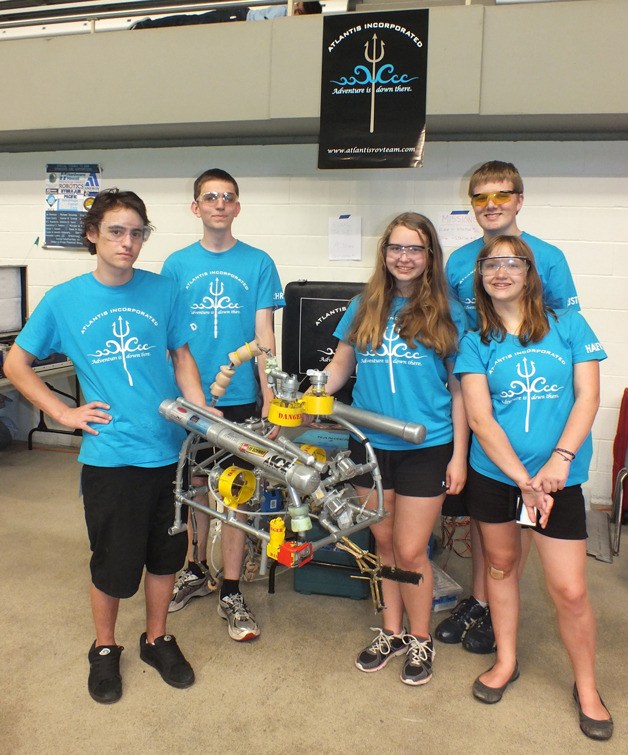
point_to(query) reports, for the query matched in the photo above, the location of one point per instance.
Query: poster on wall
(373, 88)
(69, 193)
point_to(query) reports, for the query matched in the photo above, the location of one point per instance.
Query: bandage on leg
(494, 573)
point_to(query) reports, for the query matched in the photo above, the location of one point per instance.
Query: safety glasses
(396, 250)
(114, 232)
(212, 197)
(512, 265)
(497, 197)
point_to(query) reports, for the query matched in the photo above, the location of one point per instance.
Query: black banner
(373, 90)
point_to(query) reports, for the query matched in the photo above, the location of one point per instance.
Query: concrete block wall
(576, 197)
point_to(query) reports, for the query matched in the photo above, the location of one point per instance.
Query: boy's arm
(187, 375)
(18, 369)
(265, 336)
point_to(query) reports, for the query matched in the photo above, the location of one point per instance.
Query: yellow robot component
(277, 537)
(284, 413)
(236, 486)
(318, 405)
(318, 453)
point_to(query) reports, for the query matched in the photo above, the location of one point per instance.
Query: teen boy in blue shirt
(119, 326)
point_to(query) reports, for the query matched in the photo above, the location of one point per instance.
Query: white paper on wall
(457, 227)
(345, 237)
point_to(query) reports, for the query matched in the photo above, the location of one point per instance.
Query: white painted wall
(576, 197)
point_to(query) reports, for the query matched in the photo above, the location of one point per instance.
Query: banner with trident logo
(373, 90)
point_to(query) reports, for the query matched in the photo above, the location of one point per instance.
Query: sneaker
(189, 585)
(417, 668)
(480, 638)
(241, 622)
(166, 656)
(385, 646)
(462, 618)
(104, 683)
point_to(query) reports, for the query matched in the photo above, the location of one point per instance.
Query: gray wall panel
(523, 71)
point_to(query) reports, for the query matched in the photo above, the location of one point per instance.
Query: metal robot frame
(309, 483)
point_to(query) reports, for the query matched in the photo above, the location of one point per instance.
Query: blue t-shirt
(408, 384)
(532, 391)
(559, 290)
(118, 338)
(224, 290)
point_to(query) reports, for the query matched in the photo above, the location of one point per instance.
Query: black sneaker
(480, 638)
(166, 656)
(385, 646)
(464, 616)
(417, 668)
(104, 682)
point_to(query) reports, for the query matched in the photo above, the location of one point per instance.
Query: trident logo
(526, 374)
(373, 58)
(122, 334)
(393, 349)
(216, 289)
(123, 346)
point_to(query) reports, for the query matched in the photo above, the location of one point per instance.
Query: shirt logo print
(216, 303)
(394, 352)
(124, 345)
(527, 388)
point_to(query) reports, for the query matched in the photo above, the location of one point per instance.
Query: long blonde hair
(534, 323)
(425, 317)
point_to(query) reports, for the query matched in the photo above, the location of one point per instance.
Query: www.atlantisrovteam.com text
(367, 150)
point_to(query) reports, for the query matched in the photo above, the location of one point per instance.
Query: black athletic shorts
(128, 511)
(418, 472)
(495, 502)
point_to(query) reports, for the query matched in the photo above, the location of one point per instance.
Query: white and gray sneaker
(189, 585)
(241, 623)
(385, 646)
(417, 668)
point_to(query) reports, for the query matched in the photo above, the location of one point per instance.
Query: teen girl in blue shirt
(401, 336)
(530, 381)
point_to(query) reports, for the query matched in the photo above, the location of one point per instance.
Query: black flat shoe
(490, 695)
(592, 727)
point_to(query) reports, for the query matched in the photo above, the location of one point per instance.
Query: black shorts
(456, 505)
(418, 473)
(495, 502)
(128, 511)
(236, 413)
